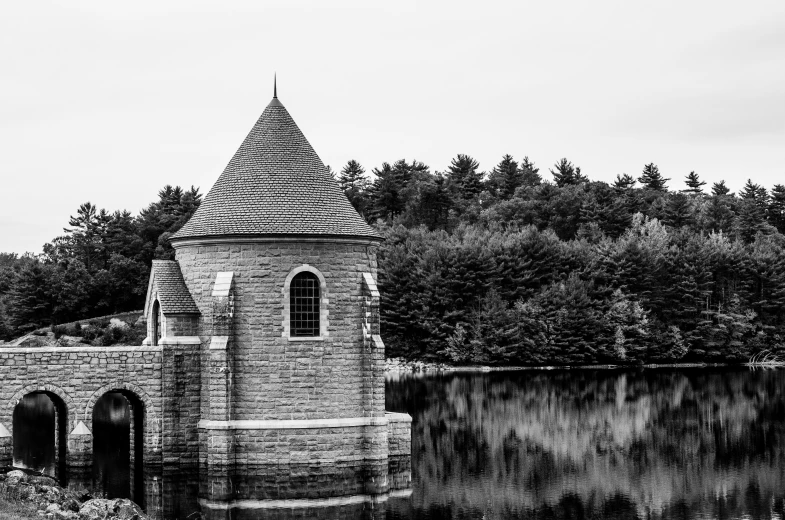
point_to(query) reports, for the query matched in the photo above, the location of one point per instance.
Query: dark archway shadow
(40, 434)
(118, 445)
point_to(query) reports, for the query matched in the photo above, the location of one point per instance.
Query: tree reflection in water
(653, 443)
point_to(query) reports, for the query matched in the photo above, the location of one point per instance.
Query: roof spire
(275, 85)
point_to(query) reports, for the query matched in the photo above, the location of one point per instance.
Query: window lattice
(304, 305)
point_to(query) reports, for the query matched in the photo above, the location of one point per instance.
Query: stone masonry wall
(399, 427)
(78, 377)
(275, 378)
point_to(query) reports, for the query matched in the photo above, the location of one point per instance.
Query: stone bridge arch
(152, 416)
(68, 401)
(64, 420)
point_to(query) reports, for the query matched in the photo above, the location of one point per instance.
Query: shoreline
(398, 366)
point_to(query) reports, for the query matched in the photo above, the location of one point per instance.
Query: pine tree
(386, 199)
(776, 209)
(750, 220)
(694, 184)
(530, 175)
(566, 174)
(652, 179)
(463, 173)
(758, 196)
(679, 211)
(624, 182)
(29, 302)
(505, 177)
(717, 214)
(354, 184)
(719, 188)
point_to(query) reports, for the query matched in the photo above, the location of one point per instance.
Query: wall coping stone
(78, 349)
(398, 417)
(292, 424)
(180, 340)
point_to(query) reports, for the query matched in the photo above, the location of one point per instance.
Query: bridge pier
(6, 446)
(79, 456)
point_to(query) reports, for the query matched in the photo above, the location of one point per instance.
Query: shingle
(276, 185)
(173, 295)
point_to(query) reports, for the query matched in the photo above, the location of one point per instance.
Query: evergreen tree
(679, 211)
(694, 184)
(505, 177)
(385, 193)
(354, 184)
(463, 173)
(530, 175)
(624, 182)
(776, 209)
(719, 188)
(750, 220)
(567, 174)
(652, 179)
(717, 214)
(29, 302)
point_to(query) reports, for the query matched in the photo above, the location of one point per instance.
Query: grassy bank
(17, 510)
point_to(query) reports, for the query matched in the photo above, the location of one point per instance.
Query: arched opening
(40, 423)
(118, 445)
(304, 303)
(156, 323)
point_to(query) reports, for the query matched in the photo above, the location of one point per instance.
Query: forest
(511, 266)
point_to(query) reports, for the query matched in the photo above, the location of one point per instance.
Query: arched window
(304, 298)
(156, 322)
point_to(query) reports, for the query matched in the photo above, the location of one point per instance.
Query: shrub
(59, 330)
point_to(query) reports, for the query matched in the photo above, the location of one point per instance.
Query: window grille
(304, 305)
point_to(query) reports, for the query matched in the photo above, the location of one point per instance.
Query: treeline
(100, 266)
(505, 267)
(499, 267)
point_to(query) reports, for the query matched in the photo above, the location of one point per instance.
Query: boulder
(96, 509)
(18, 474)
(127, 510)
(41, 480)
(70, 504)
(101, 509)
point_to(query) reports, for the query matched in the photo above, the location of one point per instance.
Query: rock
(17, 474)
(70, 504)
(53, 508)
(101, 508)
(41, 480)
(127, 510)
(96, 509)
(53, 494)
(118, 324)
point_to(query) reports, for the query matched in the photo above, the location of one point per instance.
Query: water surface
(654, 443)
(648, 444)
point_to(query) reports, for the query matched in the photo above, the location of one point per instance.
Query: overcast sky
(109, 101)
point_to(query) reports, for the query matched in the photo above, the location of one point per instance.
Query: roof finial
(275, 86)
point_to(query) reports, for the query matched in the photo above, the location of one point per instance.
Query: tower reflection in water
(359, 489)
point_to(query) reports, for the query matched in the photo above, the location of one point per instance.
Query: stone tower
(275, 275)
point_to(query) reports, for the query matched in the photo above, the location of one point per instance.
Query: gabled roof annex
(166, 281)
(276, 185)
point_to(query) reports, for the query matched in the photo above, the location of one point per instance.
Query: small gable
(166, 283)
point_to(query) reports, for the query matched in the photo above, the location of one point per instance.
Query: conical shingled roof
(276, 185)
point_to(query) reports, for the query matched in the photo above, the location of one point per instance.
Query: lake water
(648, 444)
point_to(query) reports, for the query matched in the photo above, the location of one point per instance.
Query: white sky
(108, 101)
